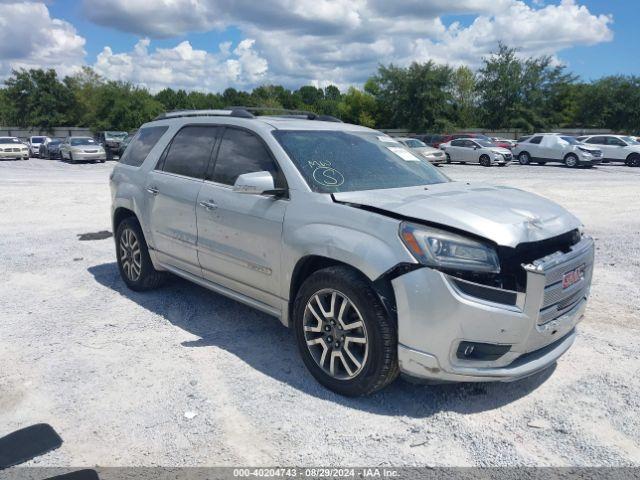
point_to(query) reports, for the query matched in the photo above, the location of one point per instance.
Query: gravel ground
(120, 375)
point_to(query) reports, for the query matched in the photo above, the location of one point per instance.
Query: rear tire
(571, 161)
(524, 158)
(375, 352)
(134, 263)
(485, 161)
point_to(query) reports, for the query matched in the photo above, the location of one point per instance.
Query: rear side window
(190, 151)
(141, 145)
(242, 152)
(536, 140)
(597, 140)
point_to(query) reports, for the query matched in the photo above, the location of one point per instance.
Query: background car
(503, 142)
(77, 149)
(50, 149)
(615, 148)
(111, 141)
(430, 154)
(476, 150)
(13, 148)
(34, 145)
(553, 147)
(431, 139)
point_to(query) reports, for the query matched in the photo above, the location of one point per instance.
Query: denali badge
(573, 277)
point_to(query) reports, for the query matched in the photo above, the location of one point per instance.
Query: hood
(584, 146)
(427, 150)
(500, 150)
(507, 216)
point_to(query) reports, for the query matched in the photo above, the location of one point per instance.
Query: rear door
(173, 189)
(600, 142)
(457, 151)
(470, 152)
(240, 235)
(534, 148)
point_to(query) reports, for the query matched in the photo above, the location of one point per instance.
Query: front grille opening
(512, 259)
(481, 351)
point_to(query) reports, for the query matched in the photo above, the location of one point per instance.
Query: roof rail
(231, 112)
(287, 112)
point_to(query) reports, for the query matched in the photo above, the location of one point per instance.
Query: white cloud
(30, 38)
(343, 41)
(292, 42)
(183, 66)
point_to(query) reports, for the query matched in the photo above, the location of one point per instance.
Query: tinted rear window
(141, 145)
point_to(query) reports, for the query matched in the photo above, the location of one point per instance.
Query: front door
(240, 235)
(172, 191)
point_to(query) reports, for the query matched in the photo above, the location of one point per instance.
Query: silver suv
(554, 147)
(378, 262)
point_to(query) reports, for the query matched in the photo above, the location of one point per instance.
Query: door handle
(153, 190)
(209, 205)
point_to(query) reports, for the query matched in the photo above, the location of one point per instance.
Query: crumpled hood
(427, 150)
(507, 216)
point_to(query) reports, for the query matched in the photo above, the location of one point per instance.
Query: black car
(51, 149)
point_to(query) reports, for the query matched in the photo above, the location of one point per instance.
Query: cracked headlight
(445, 250)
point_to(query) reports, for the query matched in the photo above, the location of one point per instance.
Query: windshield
(9, 140)
(414, 143)
(571, 140)
(115, 135)
(341, 161)
(484, 143)
(37, 139)
(630, 141)
(55, 142)
(82, 141)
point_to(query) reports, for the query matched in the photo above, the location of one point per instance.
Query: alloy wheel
(130, 254)
(335, 334)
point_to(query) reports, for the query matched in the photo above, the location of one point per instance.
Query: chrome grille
(558, 301)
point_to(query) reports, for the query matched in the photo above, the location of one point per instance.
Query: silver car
(554, 147)
(82, 149)
(432, 155)
(615, 148)
(476, 150)
(376, 260)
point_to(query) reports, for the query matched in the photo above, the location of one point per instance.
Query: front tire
(524, 158)
(448, 158)
(344, 335)
(134, 263)
(71, 160)
(485, 161)
(633, 160)
(571, 161)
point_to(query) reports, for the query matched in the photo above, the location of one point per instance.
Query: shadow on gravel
(263, 343)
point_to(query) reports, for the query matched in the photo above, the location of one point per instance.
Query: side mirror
(255, 183)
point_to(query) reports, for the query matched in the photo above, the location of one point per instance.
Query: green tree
(37, 98)
(358, 107)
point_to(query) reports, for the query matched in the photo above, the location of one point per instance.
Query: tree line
(506, 92)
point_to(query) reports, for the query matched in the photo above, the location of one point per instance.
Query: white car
(12, 148)
(433, 155)
(34, 145)
(476, 150)
(615, 148)
(553, 147)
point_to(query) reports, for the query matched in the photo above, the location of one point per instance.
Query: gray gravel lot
(114, 371)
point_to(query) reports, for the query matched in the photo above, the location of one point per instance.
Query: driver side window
(243, 152)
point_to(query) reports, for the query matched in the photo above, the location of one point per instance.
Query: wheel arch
(309, 264)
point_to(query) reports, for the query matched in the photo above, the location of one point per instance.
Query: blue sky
(213, 44)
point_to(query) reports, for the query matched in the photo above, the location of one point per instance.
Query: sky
(210, 45)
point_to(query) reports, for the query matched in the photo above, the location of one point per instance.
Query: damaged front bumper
(443, 323)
